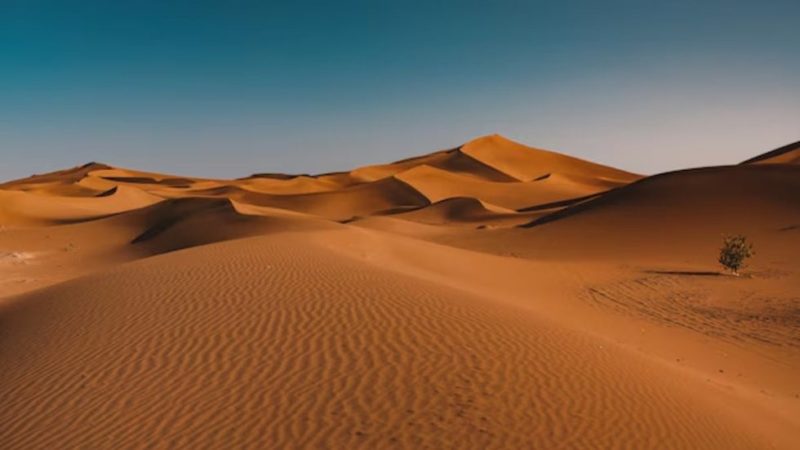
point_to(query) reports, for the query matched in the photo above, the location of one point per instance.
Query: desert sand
(493, 295)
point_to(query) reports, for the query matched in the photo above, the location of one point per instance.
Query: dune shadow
(693, 273)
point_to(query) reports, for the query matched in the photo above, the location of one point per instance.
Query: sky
(230, 88)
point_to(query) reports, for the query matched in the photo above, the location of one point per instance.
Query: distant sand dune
(29, 208)
(527, 163)
(491, 169)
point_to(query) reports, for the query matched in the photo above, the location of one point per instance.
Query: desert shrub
(735, 249)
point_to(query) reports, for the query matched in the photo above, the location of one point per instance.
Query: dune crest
(788, 154)
(528, 163)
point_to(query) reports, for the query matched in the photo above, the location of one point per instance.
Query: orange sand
(489, 296)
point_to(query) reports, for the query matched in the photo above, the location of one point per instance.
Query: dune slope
(528, 163)
(788, 154)
(283, 343)
(670, 217)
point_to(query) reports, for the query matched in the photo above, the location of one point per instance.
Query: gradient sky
(229, 88)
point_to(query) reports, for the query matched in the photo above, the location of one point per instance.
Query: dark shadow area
(172, 182)
(559, 203)
(107, 193)
(570, 207)
(171, 212)
(275, 176)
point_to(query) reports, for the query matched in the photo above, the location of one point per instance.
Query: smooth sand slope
(489, 296)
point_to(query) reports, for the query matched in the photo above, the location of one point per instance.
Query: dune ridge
(788, 154)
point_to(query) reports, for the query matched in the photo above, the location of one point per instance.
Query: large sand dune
(489, 296)
(674, 216)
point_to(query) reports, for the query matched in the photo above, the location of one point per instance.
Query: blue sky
(230, 88)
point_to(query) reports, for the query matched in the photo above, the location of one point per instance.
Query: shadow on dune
(181, 183)
(720, 193)
(171, 212)
(107, 193)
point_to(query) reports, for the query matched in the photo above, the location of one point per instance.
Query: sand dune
(489, 296)
(452, 161)
(437, 185)
(27, 208)
(527, 163)
(282, 343)
(62, 178)
(678, 215)
(293, 185)
(363, 199)
(788, 154)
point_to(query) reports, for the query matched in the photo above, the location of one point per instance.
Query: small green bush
(735, 249)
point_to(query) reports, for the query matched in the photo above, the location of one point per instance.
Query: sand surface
(489, 296)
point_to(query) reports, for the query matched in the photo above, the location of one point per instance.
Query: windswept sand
(489, 296)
